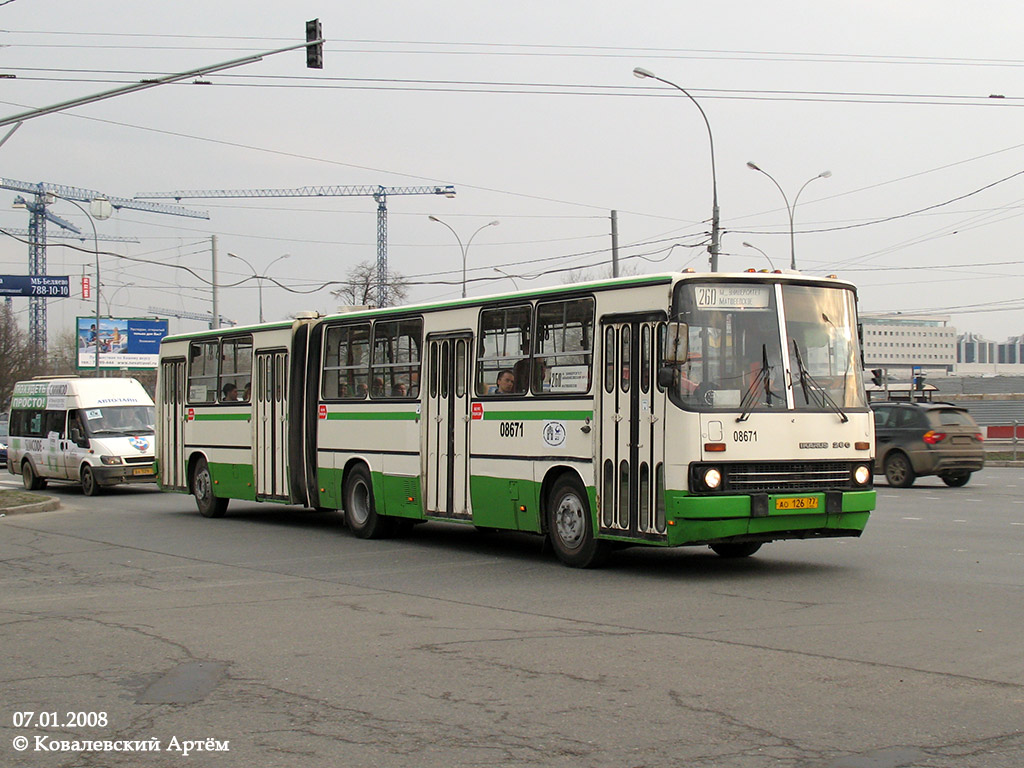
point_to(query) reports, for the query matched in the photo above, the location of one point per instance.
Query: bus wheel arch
(569, 519)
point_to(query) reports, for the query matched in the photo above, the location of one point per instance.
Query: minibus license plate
(142, 471)
(797, 502)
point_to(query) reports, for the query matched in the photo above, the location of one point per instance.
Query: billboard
(124, 342)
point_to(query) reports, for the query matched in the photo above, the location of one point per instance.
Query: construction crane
(45, 194)
(378, 193)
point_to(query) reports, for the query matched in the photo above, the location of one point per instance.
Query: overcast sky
(531, 110)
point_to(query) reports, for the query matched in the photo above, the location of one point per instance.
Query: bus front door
(270, 424)
(446, 423)
(632, 429)
(171, 432)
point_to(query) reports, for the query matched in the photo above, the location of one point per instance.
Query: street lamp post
(464, 248)
(101, 209)
(259, 277)
(715, 235)
(501, 271)
(754, 247)
(113, 295)
(790, 209)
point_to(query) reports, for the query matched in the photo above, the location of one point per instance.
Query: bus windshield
(766, 346)
(118, 420)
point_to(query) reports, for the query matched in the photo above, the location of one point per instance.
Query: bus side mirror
(677, 343)
(666, 376)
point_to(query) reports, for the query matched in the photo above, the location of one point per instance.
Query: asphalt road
(276, 633)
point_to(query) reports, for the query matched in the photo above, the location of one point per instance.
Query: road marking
(913, 518)
(1016, 523)
(932, 498)
(959, 521)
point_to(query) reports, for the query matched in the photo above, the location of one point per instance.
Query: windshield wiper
(809, 384)
(763, 379)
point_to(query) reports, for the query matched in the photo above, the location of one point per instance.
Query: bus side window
(202, 371)
(504, 345)
(563, 348)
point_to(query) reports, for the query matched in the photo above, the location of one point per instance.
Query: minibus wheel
(89, 485)
(30, 479)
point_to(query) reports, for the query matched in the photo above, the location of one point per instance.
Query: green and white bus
(725, 410)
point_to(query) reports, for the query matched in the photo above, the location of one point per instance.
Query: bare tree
(361, 285)
(16, 358)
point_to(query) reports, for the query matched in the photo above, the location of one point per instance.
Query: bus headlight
(110, 459)
(712, 478)
(862, 474)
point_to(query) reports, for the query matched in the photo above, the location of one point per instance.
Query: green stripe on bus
(537, 415)
(222, 417)
(373, 416)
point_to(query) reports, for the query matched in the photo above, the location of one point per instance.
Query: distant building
(977, 355)
(900, 343)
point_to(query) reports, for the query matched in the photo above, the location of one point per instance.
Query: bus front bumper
(766, 517)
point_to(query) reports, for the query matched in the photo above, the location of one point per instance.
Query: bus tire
(30, 479)
(202, 488)
(89, 485)
(571, 527)
(360, 508)
(741, 549)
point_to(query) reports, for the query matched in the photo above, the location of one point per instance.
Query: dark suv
(914, 439)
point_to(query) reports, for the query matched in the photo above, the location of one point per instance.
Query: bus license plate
(142, 471)
(797, 502)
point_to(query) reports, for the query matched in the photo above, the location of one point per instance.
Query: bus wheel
(89, 485)
(360, 510)
(570, 527)
(745, 549)
(202, 488)
(30, 479)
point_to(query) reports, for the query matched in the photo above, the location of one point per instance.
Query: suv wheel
(898, 471)
(955, 479)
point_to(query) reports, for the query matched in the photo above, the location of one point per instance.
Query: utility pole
(615, 243)
(213, 281)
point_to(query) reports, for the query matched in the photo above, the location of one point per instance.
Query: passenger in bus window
(229, 392)
(247, 393)
(378, 387)
(521, 372)
(505, 384)
(398, 390)
(414, 384)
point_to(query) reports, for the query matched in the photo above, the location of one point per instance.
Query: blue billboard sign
(123, 342)
(35, 285)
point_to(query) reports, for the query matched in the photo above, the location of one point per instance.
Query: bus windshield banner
(123, 342)
(733, 296)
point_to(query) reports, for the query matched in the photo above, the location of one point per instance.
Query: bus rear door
(270, 424)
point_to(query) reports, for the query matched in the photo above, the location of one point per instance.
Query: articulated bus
(725, 410)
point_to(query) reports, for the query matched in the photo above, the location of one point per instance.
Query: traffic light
(877, 376)
(315, 47)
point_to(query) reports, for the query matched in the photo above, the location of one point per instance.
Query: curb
(49, 505)
(1004, 463)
